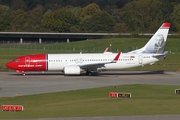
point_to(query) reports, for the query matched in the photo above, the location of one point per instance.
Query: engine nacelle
(72, 70)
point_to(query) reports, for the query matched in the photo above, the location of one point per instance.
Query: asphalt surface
(12, 84)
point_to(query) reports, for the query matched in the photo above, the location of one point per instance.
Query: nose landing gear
(22, 72)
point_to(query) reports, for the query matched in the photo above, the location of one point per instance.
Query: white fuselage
(59, 61)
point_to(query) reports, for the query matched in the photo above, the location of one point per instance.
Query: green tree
(176, 17)
(88, 11)
(121, 28)
(5, 18)
(34, 17)
(167, 9)
(52, 7)
(6, 2)
(18, 4)
(99, 22)
(18, 20)
(60, 21)
(142, 15)
(33, 3)
(60, 2)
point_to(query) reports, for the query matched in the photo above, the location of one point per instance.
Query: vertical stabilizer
(157, 42)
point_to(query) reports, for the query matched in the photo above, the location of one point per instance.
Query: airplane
(75, 64)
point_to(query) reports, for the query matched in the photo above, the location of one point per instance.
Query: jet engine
(72, 70)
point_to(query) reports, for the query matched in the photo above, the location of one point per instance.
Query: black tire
(88, 73)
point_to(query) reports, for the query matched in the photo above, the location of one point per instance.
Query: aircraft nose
(9, 65)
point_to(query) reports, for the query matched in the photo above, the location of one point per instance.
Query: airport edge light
(177, 91)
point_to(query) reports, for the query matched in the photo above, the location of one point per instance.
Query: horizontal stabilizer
(162, 54)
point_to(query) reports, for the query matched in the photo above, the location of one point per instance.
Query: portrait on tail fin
(159, 45)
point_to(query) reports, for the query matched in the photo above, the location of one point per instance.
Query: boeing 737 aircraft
(75, 64)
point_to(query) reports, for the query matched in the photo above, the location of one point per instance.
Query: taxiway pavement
(12, 84)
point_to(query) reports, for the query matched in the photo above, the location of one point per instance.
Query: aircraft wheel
(89, 73)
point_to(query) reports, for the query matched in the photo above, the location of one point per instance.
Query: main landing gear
(91, 73)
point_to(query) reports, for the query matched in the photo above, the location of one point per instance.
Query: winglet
(117, 57)
(162, 54)
(106, 50)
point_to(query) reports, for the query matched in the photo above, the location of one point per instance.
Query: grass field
(10, 51)
(146, 100)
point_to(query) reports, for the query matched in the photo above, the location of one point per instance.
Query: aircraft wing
(94, 66)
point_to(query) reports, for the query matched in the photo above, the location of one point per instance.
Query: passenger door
(140, 59)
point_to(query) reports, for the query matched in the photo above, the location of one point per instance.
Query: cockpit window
(15, 60)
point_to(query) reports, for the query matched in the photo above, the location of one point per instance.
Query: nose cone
(9, 65)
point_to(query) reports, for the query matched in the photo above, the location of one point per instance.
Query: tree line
(119, 16)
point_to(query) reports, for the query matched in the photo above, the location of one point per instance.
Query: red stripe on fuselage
(36, 62)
